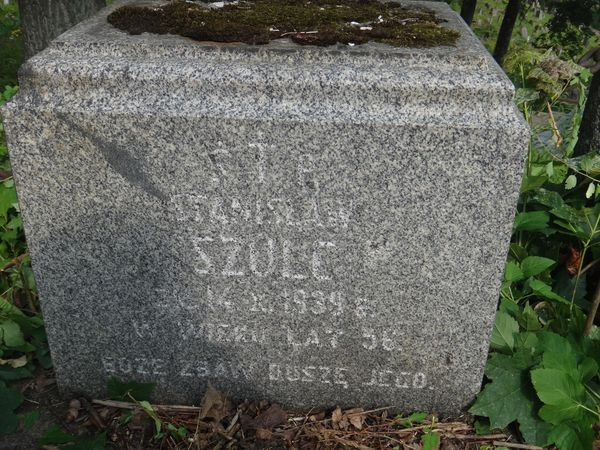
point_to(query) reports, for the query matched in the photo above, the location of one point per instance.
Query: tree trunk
(508, 23)
(589, 130)
(43, 20)
(468, 10)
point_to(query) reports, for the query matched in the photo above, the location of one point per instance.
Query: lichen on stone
(306, 22)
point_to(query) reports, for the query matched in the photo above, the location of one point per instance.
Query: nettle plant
(542, 371)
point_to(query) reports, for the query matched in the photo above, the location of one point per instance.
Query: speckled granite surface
(316, 226)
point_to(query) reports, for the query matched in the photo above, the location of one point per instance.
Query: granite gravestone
(315, 226)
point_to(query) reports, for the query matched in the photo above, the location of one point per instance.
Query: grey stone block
(314, 226)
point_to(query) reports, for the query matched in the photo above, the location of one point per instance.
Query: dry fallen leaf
(42, 382)
(344, 423)
(356, 417)
(336, 417)
(288, 435)
(72, 414)
(317, 417)
(104, 413)
(263, 433)
(214, 405)
(268, 419)
(574, 260)
(75, 404)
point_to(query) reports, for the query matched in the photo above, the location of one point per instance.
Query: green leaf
(590, 190)
(588, 163)
(417, 417)
(8, 373)
(147, 407)
(503, 334)
(559, 172)
(587, 369)
(118, 390)
(509, 395)
(54, 435)
(525, 95)
(570, 182)
(534, 265)
(554, 343)
(430, 441)
(11, 334)
(510, 307)
(531, 221)
(533, 429)
(8, 199)
(29, 419)
(565, 360)
(530, 321)
(518, 251)
(8, 422)
(564, 285)
(512, 272)
(482, 427)
(531, 183)
(562, 394)
(558, 205)
(526, 340)
(10, 399)
(543, 290)
(568, 437)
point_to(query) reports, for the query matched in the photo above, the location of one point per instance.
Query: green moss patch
(306, 22)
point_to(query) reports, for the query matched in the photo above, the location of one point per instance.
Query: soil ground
(217, 424)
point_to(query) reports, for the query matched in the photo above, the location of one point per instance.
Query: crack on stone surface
(306, 22)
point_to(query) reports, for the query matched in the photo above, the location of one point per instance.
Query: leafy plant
(430, 440)
(56, 437)
(414, 418)
(542, 370)
(10, 400)
(140, 394)
(11, 47)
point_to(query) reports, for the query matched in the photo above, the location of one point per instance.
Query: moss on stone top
(306, 22)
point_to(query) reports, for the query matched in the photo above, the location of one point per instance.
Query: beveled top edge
(97, 36)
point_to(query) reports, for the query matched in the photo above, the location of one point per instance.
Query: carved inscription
(289, 301)
(230, 256)
(275, 372)
(271, 258)
(296, 339)
(279, 212)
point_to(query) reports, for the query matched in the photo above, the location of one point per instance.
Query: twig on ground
(468, 437)
(130, 405)
(515, 445)
(94, 417)
(303, 424)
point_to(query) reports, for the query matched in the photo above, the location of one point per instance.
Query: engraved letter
(228, 270)
(199, 247)
(270, 259)
(316, 260)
